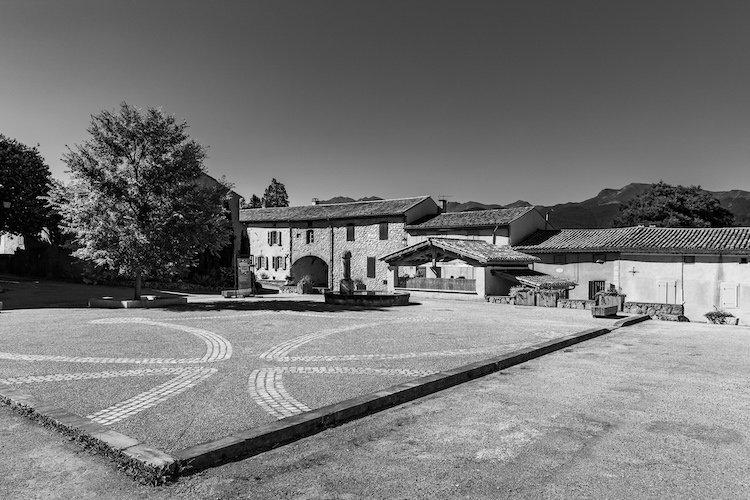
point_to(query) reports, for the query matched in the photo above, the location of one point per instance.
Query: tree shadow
(271, 305)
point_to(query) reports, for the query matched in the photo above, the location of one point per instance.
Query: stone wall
(500, 299)
(575, 304)
(367, 243)
(654, 309)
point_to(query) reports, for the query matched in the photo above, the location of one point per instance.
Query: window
(667, 292)
(265, 263)
(274, 238)
(310, 236)
(688, 259)
(258, 262)
(275, 263)
(558, 258)
(251, 260)
(350, 232)
(594, 287)
(729, 296)
(370, 267)
(383, 230)
(743, 260)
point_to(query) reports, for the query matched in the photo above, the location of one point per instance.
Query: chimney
(315, 201)
(443, 199)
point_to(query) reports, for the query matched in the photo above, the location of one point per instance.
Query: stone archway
(312, 266)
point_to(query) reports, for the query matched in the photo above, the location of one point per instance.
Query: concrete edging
(254, 441)
(142, 462)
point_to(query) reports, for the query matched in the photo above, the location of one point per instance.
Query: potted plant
(721, 317)
(359, 285)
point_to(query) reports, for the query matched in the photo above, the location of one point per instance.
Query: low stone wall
(575, 304)
(654, 309)
(500, 299)
(368, 299)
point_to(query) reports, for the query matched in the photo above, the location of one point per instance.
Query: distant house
(467, 252)
(701, 268)
(314, 240)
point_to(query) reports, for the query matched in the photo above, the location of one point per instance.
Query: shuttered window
(350, 232)
(370, 267)
(383, 230)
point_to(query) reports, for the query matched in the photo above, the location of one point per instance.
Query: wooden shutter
(370, 267)
(729, 296)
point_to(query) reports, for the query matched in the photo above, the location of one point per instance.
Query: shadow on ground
(272, 305)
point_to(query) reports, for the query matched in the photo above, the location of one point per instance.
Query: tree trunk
(137, 295)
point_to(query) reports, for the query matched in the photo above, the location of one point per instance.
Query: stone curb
(254, 441)
(142, 462)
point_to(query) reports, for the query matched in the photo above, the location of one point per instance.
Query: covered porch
(487, 262)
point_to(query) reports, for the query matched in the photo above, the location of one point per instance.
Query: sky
(546, 101)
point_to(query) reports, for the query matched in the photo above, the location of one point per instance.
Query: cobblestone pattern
(65, 377)
(182, 382)
(217, 349)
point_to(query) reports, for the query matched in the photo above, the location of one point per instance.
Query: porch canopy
(477, 253)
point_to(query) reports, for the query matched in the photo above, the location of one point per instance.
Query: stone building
(289, 243)
(699, 268)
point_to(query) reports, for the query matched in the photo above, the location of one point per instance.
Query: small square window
(688, 259)
(559, 259)
(743, 260)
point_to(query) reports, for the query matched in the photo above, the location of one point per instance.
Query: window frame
(350, 232)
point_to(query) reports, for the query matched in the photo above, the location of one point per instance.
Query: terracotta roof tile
(375, 208)
(640, 239)
(476, 218)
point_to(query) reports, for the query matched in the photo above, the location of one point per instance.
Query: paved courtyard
(177, 377)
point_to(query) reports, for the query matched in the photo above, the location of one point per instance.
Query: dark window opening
(370, 267)
(310, 236)
(558, 259)
(594, 288)
(383, 230)
(689, 259)
(350, 232)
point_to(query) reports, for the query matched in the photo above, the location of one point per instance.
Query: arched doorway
(312, 266)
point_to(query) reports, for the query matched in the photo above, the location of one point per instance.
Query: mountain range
(595, 212)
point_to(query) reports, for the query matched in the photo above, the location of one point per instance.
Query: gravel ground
(316, 354)
(654, 411)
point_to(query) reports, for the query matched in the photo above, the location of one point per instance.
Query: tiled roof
(475, 250)
(375, 208)
(475, 218)
(640, 239)
(536, 279)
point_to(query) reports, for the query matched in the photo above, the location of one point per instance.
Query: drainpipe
(291, 246)
(494, 235)
(330, 266)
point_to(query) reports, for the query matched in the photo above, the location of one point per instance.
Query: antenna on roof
(443, 199)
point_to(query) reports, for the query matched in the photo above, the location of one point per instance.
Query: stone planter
(525, 299)
(547, 299)
(729, 320)
(611, 300)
